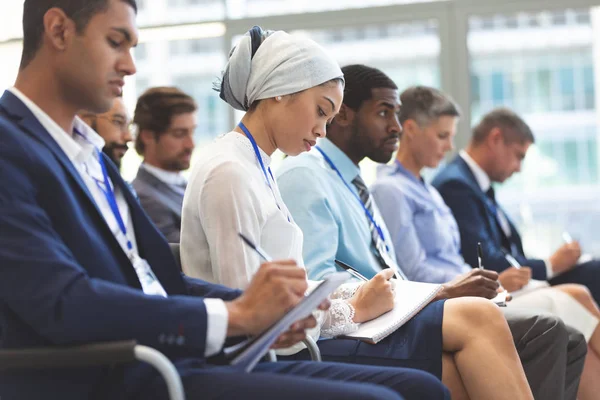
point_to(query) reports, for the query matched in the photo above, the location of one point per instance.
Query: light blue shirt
(332, 219)
(423, 230)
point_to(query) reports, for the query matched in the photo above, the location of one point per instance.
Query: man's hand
(275, 289)
(565, 258)
(373, 298)
(513, 279)
(297, 331)
(477, 282)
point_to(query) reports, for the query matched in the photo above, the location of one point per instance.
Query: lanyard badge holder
(382, 247)
(262, 166)
(149, 281)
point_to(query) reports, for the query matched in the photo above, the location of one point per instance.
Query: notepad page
(409, 299)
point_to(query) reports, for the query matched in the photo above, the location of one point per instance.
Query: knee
(477, 313)
(580, 293)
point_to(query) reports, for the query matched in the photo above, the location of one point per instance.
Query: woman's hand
(374, 298)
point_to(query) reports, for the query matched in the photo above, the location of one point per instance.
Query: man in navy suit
(495, 153)
(81, 262)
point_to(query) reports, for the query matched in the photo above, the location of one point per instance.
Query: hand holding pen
(374, 297)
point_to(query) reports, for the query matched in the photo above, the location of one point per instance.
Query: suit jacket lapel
(31, 126)
(496, 228)
(160, 190)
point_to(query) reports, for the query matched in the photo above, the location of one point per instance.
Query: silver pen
(351, 270)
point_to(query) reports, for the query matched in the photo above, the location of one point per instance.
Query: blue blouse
(423, 230)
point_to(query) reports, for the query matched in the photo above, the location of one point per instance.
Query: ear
(345, 117)
(147, 137)
(58, 29)
(410, 129)
(495, 137)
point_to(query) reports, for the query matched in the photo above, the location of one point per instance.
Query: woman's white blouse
(228, 193)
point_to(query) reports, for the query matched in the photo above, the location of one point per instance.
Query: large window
(542, 65)
(538, 57)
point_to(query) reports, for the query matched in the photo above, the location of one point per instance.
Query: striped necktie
(378, 245)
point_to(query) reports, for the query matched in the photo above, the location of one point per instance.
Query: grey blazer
(162, 203)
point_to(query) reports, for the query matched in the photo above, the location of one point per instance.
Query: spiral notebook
(409, 299)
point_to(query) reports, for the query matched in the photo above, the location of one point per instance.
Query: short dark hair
(513, 128)
(155, 109)
(360, 82)
(80, 11)
(425, 105)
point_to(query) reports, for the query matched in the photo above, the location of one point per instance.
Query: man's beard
(111, 149)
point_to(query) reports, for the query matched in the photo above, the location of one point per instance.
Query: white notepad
(410, 298)
(530, 287)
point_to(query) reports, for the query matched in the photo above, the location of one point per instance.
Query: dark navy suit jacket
(475, 213)
(64, 278)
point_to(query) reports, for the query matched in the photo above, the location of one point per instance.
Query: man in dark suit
(495, 153)
(80, 261)
(166, 120)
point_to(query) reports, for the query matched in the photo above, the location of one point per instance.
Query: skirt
(417, 344)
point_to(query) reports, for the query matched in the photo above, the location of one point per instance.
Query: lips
(392, 143)
(117, 86)
(308, 144)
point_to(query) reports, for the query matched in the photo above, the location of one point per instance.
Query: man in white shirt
(113, 127)
(165, 118)
(80, 261)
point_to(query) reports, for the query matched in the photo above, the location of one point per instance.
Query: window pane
(163, 12)
(542, 66)
(253, 8)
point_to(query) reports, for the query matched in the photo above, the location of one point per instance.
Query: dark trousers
(300, 381)
(587, 274)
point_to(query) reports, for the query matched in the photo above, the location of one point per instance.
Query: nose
(126, 135)
(320, 131)
(451, 145)
(127, 66)
(189, 142)
(519, 164)
(395, 126)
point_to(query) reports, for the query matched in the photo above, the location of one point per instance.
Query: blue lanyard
(112, 201)
(367, 212)
(262, 165)
(108, 192)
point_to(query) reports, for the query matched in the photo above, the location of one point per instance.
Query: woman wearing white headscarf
(290, 89)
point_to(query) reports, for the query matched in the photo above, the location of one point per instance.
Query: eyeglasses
(118, 122)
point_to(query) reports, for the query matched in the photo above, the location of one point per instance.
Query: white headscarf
(267, 64)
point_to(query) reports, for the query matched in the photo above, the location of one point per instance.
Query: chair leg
(165, 367)
(313, 349)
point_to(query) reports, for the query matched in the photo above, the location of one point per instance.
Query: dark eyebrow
(388, 105)
(125, 32)
(332, 103)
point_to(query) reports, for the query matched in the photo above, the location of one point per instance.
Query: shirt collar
(401, 169)
(71, 145)
(342, 162)
(168, 177)
(482, 178)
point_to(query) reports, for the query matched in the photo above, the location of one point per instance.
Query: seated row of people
(75, 244)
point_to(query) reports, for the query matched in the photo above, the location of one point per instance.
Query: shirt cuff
(217, 319)
(549, 270)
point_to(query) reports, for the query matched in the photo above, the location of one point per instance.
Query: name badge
(149, 281)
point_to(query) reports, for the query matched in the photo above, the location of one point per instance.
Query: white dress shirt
(228, 194)
(82, 150)
(485, 183)
(169, 177)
